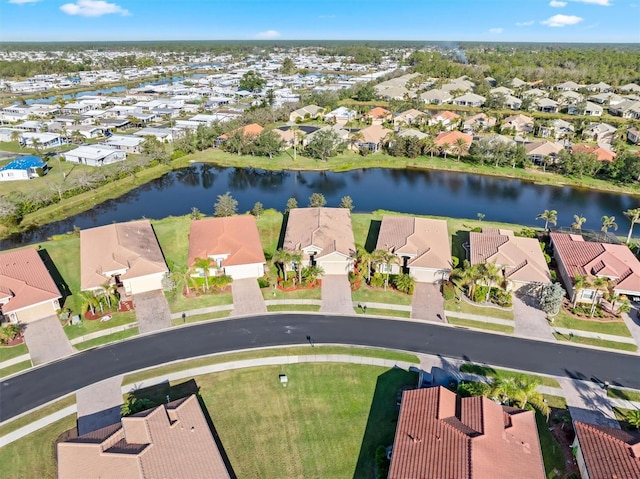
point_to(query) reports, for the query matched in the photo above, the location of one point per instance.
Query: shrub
(500, 297)
(377, 280)
(448, 291)
(455, 261)
(526, 233)
(264, 282)
(477, 229)
(554, 275)
(382, 463)
(480, 294)
(220, 282)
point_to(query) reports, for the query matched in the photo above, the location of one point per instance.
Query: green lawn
(503, 373)
(173, 236)
(7, 353)
(621, 415)
(178, 303)
(15, 368)
(275, 293)
(64, 252)
(480, 325)
(37, 415)
(618, 328)
(201, 317)
(384, 312)
(623, 394)
(551, 451)
(87, 327)
(365, 294)
(327, 422)
(293, 307)
(464, 307)
(111, 338)
(597, 342)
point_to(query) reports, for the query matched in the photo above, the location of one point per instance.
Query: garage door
(36, 312)
(334, 267)
(425, 275)
(245, 271)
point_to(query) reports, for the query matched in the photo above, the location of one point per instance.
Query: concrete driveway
(336, 294)
(99, 405)
(531, 321)
(427, 302)
(247, 297)
(46, 340)
(152, 311)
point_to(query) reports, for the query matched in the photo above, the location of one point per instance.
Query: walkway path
(633, 323)
(531, 322)
(427, 302)
(588, 402)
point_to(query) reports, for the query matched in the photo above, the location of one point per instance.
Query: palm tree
(460, 147)
(579, 282)
(282, 258)
(405, 283)
(364, 257)
(35, 144)
(634, 217)
(633, 418)
(549, 216)
(295, 257)
(429, 147)
(109, 293)
(578, 221)
(609, 222)
(183, 279)
(444, 148)
(355, 138)
(463, 277)
(89, 301)
(294, 130)
(204, 264)
(388, 259)
(519, 392)
(15, 136)
(599, 284)
(311, 273)
(489, 274)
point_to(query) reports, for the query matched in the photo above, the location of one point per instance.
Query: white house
(23, 168)
(95, 155)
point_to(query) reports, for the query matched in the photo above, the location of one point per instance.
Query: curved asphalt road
(40, 385)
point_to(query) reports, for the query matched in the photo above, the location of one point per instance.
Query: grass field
(293, 307)
(480, 325)
(39, 414)
(617, 328)
(551, 451)
(384, 312)
(201, 317)
(464, 307)
(596, 342)
(110, 338)
(15, 368)
(12, 352)
(623, 394)
(87, 327)
(277, 294)
(365, 294)
(504, 373)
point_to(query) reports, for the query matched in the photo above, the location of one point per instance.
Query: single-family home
(629, 88)
(600, 132)
(393, 92)
(606, 99)
(411, 132)
(501, 90)
(94, 155)
(249, 131)
(171, 441)
(602, 154)
(27, 290)
(421, 245)
(556, 129)
(626, 109)
(517, 83)
(372, 138)
(600, 86)
(633, 135)
(570, 97)
(232, 244)
(164, 135)
(23, 168)
(442, 435)
(546, 105)
(378, 115)
(519, 259)
(518, 123)
(451, 138)
(478, 122)
(568, 86)
(45, 140)
(308, 112)
(512, 102)
(436, 97)
(124, 254)
(447, 119)
(408, 118)
(535, 93)
(127, 143)
(543, 152)
(324, 236)
(588, 109)
(342, 114)
(603, 452)
(591, 259)
(469, 99)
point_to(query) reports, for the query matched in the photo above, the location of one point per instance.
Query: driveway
(427, 302)
(99, 405)
(247, 297)
(588, 402)
(336, 294)
(531, 322)
(152, 311)
(46, 340)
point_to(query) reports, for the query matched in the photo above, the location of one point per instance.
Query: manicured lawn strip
(37, 415)
(88, 327)
(15, 368)
(267, 353)
(293, 307)
(480, 325)
(34, 455)
(464, 307)
(563, 320)
(623, 394)
(111, 338)
(552, 455)
(365, 294)
(503, 373)
(597, 342)
(384, 312)
(557, 402)
(621, 416)
(7, 353)
(173, 235)
(64, 251)
(201, 317)
(327, 422)
(179, 303)
(313, 293)
(269, 226)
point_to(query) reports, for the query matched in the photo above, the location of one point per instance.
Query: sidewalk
(483, 319)
(590, 334)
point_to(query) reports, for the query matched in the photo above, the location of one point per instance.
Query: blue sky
(451, 20)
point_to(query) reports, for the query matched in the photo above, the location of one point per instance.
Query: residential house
(462, 84)
(89, 131)
(604, 452)
(629, 88)
(163, 135)
(633, 136)
(127, 143)
(626, 109)
(232, 244)
(543, 152)
(535, 93)
(599, 132)
(606, 98)
(421, 245)
(413, 133)
(45, 140)
(477, 123)
(602, 154)
(589, 259)
(568, 86)
(23, 168)
(125, 254)
(451, 138)
(546, 105)
(557, 129)
(519, 259)
(600, 86)
(447, 119)
(27, 291)
(436, 97)
(323, 236)
(570, 97)
(171, 441)
(341, 114)
(309, 112)
(501, 90)
(378, 115)
(512, 102)
(94, 155)
(589, 109)
(408, 118)
(393, 93)
(469, 99)
(442, 435)
(518, 123)
(372, 138)
(248, 131)
(517, 83)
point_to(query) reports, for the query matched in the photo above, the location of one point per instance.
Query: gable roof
(450, 137)
(374, 133)
(236, 236)
(252, 129)
(328, 229)
(445, 115)
(132, 247)
(601, 154)
(379, 112)
(608, 452)
(521, 258)
(426, 240)
(171, 441)
(24, 279)
(440, 435)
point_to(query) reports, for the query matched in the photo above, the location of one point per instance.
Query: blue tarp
(24, 163)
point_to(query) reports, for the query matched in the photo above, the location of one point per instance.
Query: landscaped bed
(468, 308)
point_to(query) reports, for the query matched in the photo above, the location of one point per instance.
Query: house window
(588, 294)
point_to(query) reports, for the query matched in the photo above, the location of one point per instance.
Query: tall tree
(346, 202)
(252, 81)
(291, 204)
(634, 217)
(225, 206)
(609, 222)
(317, 200)
(325, 144)
(204, 264)
(580, 282)
(549, 216)
(578, 221)
(460, 147)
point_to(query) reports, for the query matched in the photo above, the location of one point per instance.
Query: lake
(440, 193)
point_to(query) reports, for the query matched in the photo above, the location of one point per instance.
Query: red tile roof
(236, 236)
(379, 112)
(249, 130)
(450, 137)
(24, 279)
(602, 154)
(608, 453)
(442, 436)
(446, 115)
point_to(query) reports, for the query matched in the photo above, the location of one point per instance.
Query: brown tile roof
(450, 137)
(131, 247)
(543, 148)
(374, 133)
(522, 258)
(591, 259)
(24, 279)
(442, 436)
(249, 130)
(426, 240)
(602, 154)
(236, 236)
(170, 441)
(328, 229)
(446, 115)
(379, 112)
(608, 453)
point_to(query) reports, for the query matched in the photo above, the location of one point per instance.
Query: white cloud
(525, 24)
(22, 2)
(93, 8)
(268, 34)
(557, 4)
(562, 20)
(604, 3)
(496, 30)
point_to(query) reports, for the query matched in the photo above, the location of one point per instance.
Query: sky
(580, 21)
